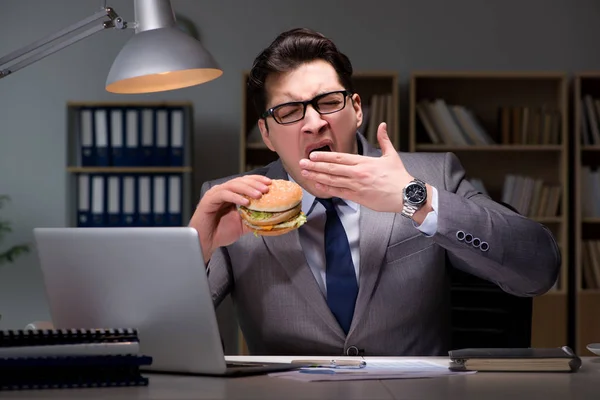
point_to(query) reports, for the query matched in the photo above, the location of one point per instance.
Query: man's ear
(357, 105)
(264, 132)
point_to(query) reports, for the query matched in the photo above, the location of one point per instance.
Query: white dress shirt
(312, 233)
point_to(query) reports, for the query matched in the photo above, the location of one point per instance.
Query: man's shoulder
(423, 158)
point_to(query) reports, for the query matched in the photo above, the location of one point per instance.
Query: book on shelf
(531, 197)
(459, 125)
(590, 264)
(589, 120)
(590, 191)
(532, 125)
(451, 124)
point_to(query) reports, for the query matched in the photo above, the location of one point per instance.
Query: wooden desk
(584, 384)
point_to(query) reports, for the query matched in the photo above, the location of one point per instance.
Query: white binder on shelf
(128, 206)
(98, 200)
(161, 151)
(117, 153)
(144, 215)
(86, 138)
(176, 133)
(132, 137)
(114, 200)
(174, 215)
(83, 201)
(148, 143)
(101, 141)
(159, 196)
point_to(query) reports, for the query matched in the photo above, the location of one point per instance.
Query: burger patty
(264, 218)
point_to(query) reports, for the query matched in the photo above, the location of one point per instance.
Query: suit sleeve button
(484, 246)
(460, 235)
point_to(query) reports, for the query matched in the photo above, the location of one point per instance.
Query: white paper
(376, 369)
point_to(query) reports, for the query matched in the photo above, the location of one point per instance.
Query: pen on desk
(332, 363)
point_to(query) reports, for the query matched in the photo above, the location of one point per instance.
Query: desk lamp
(159, 57)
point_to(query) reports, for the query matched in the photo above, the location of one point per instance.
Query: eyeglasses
(326, 103)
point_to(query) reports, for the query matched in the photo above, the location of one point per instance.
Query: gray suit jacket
(403, 302)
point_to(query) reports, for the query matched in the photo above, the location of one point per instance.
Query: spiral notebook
(68, 342)
(72, 372)
(70, 358)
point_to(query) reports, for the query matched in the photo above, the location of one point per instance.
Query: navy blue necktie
(342, 287)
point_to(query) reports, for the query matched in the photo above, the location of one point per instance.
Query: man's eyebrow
(292, 98)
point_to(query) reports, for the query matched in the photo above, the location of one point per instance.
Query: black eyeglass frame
(314, 102)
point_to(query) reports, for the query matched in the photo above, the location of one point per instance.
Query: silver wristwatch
(414, 196)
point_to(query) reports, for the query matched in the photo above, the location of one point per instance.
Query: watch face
(415, 193)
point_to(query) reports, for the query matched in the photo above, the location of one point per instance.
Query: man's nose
(313, 121)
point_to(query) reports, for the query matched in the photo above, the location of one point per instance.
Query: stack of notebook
(74, 358)
(559, 359)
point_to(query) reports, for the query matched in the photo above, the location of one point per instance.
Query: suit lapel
(375, 230)
(288, 252)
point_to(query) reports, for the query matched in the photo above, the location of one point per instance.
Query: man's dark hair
(287, 52)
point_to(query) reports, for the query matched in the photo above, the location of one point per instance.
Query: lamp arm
(114, 21)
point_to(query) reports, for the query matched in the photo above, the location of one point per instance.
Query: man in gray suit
(395, 219)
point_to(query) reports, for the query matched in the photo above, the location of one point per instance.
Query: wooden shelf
(130, 170)
(498, 147)
(257, 146)
(536, 148)
(587, 301)
(590, 148)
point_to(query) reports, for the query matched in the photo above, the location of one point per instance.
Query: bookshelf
(586, 144)
(509, 129)
(378, 91)
(129, 164)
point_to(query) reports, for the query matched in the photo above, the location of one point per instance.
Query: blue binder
(98, 200)
(161, 150)
(175, 205)
(159, 200)
(129, 200)
(85, 123)
(114, 199)
(83, 201)
(133, 128)
(117, 137)
(176, 137)
(148, 144)
(101, 137)
(144, 203)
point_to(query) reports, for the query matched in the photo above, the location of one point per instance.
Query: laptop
(151, 279)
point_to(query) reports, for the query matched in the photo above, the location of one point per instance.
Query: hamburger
(276, 212)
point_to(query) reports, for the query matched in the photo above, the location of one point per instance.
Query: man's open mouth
(324, 148)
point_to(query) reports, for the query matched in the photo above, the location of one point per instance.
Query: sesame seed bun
(282, 196)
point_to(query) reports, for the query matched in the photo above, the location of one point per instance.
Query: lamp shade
(161, 59)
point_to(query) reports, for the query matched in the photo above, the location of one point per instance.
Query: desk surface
(584, 384)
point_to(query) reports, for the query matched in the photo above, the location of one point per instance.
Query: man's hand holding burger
(216, 217)
(252, 203)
